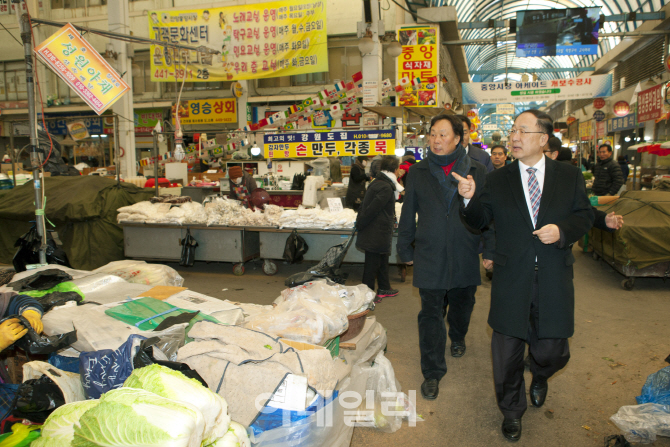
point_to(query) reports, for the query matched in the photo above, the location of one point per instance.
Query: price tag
(335, 204)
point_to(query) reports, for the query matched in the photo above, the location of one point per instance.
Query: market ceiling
(501, 55)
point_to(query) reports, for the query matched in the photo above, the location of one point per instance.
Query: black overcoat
(376, 217)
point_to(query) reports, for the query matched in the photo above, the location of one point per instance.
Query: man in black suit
(540, 209)
(477, 154)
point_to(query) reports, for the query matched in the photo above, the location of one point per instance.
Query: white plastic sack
(69, 383)
(139, 272)
(642, 423)
(356, 298)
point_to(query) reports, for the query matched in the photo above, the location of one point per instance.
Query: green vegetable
(58, 429)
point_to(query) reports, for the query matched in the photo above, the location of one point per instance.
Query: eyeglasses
(521, 132)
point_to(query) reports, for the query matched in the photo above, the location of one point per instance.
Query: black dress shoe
(538, 392)
(457, 348)
(430, 389)
(511, 429)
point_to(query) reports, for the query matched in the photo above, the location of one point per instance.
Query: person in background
(474, 152)
(13, 304)
(375, 223)
(357, 180)
(442, 248)
(242, 184)
(552, 148)
(607, 177)
(375, 166)
(335, 170)
(405, 163)
(623, 164)
(498, 156)
(565, 154)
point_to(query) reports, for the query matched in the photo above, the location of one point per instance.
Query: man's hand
(10, 331)
(614, 221)
(487, 263)
(35, 320)
(548, 234)
(466, 186)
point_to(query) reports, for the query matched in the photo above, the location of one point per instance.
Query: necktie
(534, 193)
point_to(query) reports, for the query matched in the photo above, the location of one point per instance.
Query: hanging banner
(622, 123)
(585, 132)
(262, 40)
(650, 104)
(82, 68)
(553, 90)
(418, 66)
(330, 144)
(505, 109)
(93, 123)
(146, 119)
(207, 111)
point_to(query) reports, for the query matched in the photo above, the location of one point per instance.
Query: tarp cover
(82, 208)
(644, 239)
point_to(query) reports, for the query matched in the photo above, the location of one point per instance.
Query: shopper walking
(375, 223)
(607, 176)
(357, 180)
(540, 209)
(242, 184)
(442, 249)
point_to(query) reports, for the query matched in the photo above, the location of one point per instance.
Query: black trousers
(548, 355)
(376, 266)
(432, 329)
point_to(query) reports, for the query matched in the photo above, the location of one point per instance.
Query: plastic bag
(188, 246)
(356, 298)
(642, 423)
(34, 343)
(68, 382)
(657, 388)
(42, 280)
(21, 435)
(139, 272)
(37, 399)
(147, 356)
(28, 250)
(295, 248)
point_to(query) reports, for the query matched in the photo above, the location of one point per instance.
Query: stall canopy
(643, 240)
(83, 209)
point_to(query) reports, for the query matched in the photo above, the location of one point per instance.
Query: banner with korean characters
(207, 111)
(329, 144)
(82, 68)
(552, 90)
(586, 130)
(261, 40)
(650, 103)
(418, 66)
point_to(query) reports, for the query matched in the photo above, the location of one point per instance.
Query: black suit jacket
(480, 156)
(563, 203)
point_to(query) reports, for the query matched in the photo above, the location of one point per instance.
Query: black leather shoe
(511, 429)
(538, 392)
(457, 348)
(430, 389)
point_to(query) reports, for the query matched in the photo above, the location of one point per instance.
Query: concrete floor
(620, 338)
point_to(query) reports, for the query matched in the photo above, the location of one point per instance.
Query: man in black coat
(374, 223)
(357, 180)
(477, 154)
(442, 248)
(607, 176)
(540, 209)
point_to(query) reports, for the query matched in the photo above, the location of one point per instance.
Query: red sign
(598, 103)
(471, 113)
(570, 120)
(649, 104)
(667, 63)
(621, 108)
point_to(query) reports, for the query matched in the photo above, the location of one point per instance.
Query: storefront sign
(261, 40)
(82, 68)
(598, 103)
(601, 129)
(207, 111)
(146, 119)
(570, 120)
(78, 130)
(623, 123)
(505, 109)
(621, 108)
(585, 132)
(237, 89)
(59, 127)
(553, 90)
(490, 127)
(418, 152)
(418, 66)
(650, 103)
(330, 144)
(598, 115)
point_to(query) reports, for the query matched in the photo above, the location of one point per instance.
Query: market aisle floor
(620, 338)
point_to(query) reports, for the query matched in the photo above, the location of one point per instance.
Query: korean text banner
(622, 123)
(553, 90)
(330, 144)
(261, 40)
(207, 111)
(418, 66)
(82, 68)
(650, 103)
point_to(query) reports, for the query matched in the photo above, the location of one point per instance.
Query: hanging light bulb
(178, 148)
(366, 44)
(394, 49)
(399, 151)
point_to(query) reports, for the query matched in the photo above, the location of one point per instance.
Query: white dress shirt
(539, 175)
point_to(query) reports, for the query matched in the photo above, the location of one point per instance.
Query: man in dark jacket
(607, 176)
(357, 180)
(443, 250)
(474, 152)
(374, 223)
(623, 164)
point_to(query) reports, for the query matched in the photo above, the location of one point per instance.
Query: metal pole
(155, 152)
(116, 150)
(35, 161)
(14, 151)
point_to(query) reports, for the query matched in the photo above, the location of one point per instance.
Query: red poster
(649, 104)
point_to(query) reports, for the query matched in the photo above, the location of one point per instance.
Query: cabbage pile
(156, 407)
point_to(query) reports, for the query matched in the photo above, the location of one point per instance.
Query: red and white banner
(650, 104)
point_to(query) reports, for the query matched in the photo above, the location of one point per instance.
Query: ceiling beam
(630, 17)
(530, 70)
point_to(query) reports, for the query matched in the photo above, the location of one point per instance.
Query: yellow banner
(330, 144)
(262, 40)
(585, 132)
(418, 66)
(207, 111)
(82, 68)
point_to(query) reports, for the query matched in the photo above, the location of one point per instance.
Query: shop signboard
(621, 108)
(598, 103)
(549, 90)
(146, 119)
(490, 127)
(59, 126)
(601, 129)
(598, 115)
(418, 152)
(261, 40)
(650, 103)
(570, 120)
(622, 123)
(585, 132)
(329, 144)
(80, 65)
(418, 66)
(207, 111)
(505, 109)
